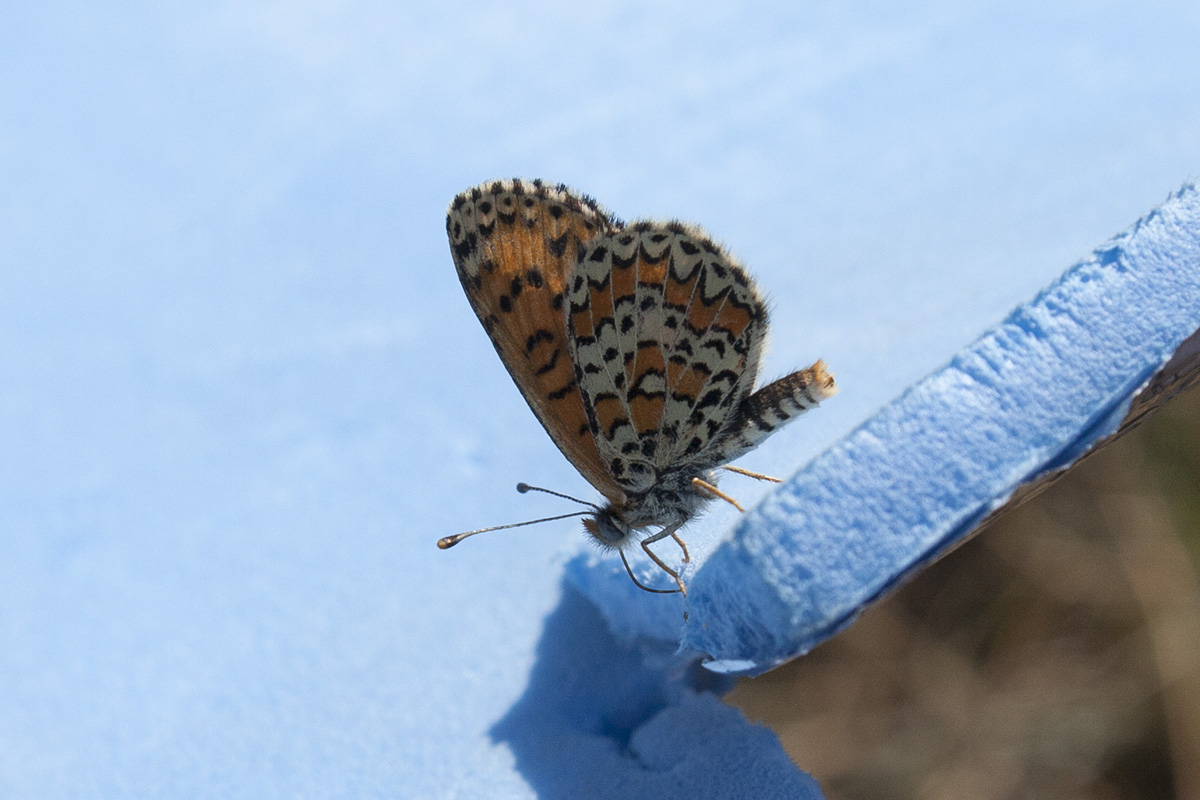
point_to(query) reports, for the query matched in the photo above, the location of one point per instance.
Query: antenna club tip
(446, 542)
(523, 487)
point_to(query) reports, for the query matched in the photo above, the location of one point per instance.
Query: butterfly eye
(606, 530)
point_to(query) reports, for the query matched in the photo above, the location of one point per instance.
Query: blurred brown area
(1055, 655)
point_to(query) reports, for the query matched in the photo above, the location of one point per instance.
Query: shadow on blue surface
(605, 720)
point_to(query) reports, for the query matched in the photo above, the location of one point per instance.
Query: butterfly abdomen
(774, 405)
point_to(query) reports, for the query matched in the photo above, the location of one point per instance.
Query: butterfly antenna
(446, 542)
(525, 487)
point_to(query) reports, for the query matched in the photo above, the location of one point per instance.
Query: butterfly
(636, 346)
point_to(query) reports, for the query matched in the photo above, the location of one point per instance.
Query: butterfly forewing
(513, 243)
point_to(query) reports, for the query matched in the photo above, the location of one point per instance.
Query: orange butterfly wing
(513, 244)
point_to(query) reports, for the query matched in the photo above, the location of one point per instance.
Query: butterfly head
(608, 528)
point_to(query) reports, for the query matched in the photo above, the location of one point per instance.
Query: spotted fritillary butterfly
(637, 347)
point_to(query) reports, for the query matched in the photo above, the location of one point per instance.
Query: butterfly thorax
(671, 501)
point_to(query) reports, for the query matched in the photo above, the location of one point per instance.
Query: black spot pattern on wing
(668, 330)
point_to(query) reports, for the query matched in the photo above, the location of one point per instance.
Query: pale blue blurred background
(241, 394)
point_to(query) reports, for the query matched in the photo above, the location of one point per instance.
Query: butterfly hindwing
(666, 331)
(513, 243)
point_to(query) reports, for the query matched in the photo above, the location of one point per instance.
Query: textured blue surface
(242, 395)
(1029, 396)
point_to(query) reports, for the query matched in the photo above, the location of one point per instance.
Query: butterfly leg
(682, 546)
(758, 476)
(664, 533)
(639, 584)
(705, 486)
